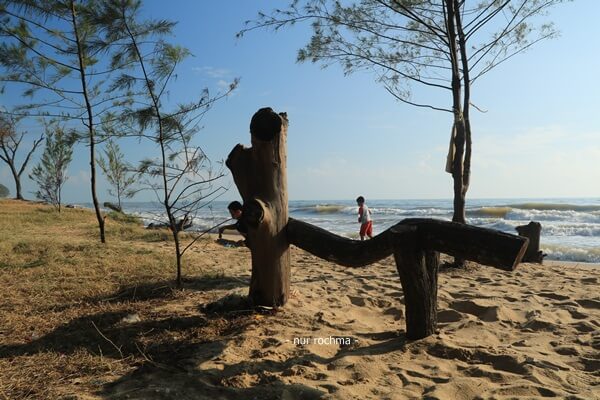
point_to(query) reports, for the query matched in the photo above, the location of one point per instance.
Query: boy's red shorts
(366, 229)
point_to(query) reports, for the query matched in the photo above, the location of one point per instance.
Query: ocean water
(570, 227)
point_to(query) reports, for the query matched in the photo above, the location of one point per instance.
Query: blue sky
(540, 136)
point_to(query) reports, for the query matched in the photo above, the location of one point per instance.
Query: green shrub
(4, 192)
(126, 218)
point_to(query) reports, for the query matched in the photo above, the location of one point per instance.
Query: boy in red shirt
(364, 218)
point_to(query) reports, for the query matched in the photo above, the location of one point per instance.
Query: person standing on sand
(364, 218)
(235, 210)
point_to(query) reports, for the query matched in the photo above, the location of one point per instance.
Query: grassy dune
(70, 310)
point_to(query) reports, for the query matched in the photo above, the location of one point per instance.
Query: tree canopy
(443, 45)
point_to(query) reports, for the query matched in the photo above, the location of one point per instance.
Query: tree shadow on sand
(121, 333)
(161, 290)
(165, 289)
(202, 373)
(111, 335)
(204, 377)
(178, 357)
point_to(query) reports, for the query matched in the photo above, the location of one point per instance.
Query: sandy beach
(133, 133)
(90, 321)
(531, 333)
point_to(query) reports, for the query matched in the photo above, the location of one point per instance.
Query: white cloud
(222, 84)
(79, 178)
(541, 162)
(213, 72)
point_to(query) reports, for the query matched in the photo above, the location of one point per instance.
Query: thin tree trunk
(163, 152)
(462, 46)
(459, 126)
(178, 256)
(119, 196)
(18, 189)
(17, 181)
(90, 125)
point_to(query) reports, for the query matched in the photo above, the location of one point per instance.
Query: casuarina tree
(181, 174)
(443, 45)
(52, 53)
(50, 174)
(118, 173)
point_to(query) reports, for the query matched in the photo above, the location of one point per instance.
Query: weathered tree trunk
(485, 246)
(416, 244)
(341, 250)
(532, 232)
(112, 206)
(461, 138)
(260, 175)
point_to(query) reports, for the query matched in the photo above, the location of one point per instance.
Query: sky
(539, 136)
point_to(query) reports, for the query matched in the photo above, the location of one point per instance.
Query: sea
(570, 227)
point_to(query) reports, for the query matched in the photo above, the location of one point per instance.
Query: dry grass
(64, 329)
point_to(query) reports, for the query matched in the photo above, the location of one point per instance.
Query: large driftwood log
(415, 244)
(482, 245)
(532, 231)
(485, 246)
(260, 174)
(112, 206)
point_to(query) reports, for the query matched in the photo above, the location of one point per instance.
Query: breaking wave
(564, 253)
(323, 209)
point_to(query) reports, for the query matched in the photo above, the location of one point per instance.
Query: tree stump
(260, 175)
(418, 270)
(532, 232)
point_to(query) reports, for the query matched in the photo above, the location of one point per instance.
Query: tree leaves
(50, 174)
(118, 172)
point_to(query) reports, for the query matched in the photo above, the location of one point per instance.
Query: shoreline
(570, 226)
(571, 263)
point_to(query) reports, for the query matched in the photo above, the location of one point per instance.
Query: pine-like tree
(118, 173)
(52, 51)
(181, 175)
(4, 192)
(442, 46)
(50, 174)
